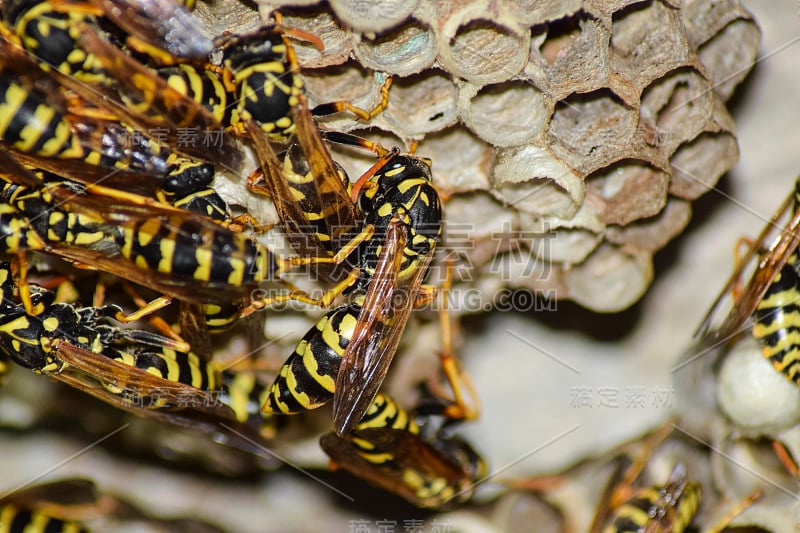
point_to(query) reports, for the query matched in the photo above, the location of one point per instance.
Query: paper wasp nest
(570, 136)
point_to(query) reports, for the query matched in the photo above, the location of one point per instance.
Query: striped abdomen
(308, 378)
(777, 321)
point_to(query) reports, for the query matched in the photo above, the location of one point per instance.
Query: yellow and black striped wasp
(61, 506)
(390, 253)
(388, 448)
(73, 505)
(175, 252)
(666, 506)
(39, 123)
(130, 369)
(65, 39)
(771, 297)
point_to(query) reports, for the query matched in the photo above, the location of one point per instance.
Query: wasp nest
(569, 136)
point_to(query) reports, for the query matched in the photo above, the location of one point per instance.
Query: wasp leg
(23, 287)
(734, 512)
(365, 115)
(460, 382)
(624, 489)
(364, 180)
(744, 243)
(298, 295)
(146, 309)
(298, 34)
(239, 222)
(786, 458)
(364, 235)
(348, 139)
(425, 295)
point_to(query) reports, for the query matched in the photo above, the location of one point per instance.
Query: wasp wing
(666, 511)
(194, 329)
(339, 212)
(93, 373)
(768, 267)
(169, 116)
(412, 461)
(310, 192)
(384, 314)
(163, 23)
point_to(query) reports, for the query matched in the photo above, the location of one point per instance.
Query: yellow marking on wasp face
(50, 323)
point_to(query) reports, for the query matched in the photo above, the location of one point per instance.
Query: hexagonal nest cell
(599, 117)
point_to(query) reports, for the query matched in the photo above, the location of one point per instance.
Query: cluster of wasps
(113, 121)
(765, 308)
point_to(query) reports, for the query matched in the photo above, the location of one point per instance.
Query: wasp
(60, 506)
(175, 252)
(130, 369)
(389, 449)
(390, 255)
(68, 505)
(669, 507)
(665, 507)
(33, 219)
(771, 296)
(66, 40)
(37, 122)
(165, 24)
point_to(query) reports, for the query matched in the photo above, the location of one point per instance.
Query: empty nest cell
(648, 40)
(590, 131)
(627, 191)
(404, 50)
(419, 105)
(481, 51)
(511, 113)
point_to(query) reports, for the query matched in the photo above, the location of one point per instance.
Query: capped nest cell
(590, 125)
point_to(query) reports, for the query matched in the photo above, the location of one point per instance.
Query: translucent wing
(168, 116)
(768, 267)
(669, 512)
(414, 468)
(178, 225)
(386, 308)
(164, 23)
(309, 192)
(97, 374)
